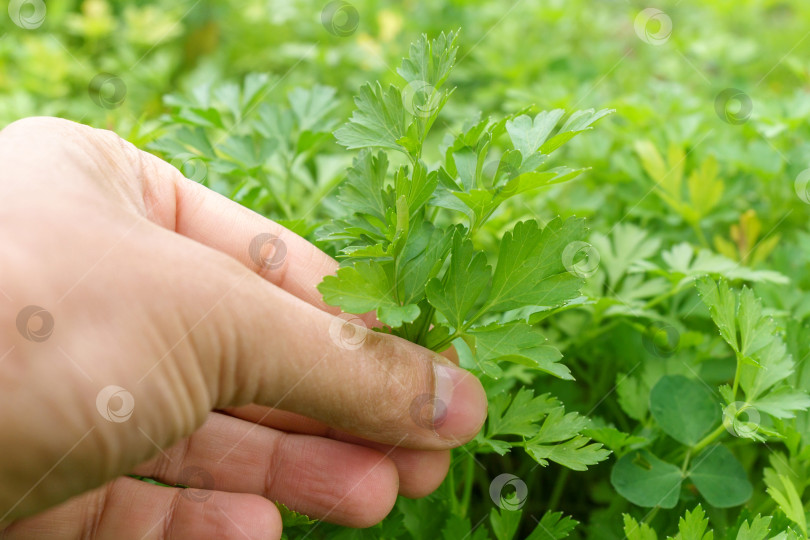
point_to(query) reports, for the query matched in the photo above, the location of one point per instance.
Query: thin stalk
(421, 335)
(660, 298)
(451, 484)
(737, 376)
(448, 340)
(559, 486)
(708, 439)
(685, 463)
(469, 471)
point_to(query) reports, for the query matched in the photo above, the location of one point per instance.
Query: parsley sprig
(408, 248)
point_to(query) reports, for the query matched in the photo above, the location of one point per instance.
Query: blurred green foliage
(568, 54)
(700, 171)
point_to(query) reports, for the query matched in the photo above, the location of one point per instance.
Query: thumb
(371, 384)
(285, 353)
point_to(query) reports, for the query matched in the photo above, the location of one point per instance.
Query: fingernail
(460, 405)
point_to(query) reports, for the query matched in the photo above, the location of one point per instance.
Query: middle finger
(420, 471)
(323, 478)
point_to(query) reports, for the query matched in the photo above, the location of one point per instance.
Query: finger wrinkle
(168, 529)
(95, 511)
(188, 203)
(274, 462)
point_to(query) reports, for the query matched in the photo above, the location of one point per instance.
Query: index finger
(269, 249)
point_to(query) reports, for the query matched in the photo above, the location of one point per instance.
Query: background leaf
(646, 481)
(720, 478)
(684, 408)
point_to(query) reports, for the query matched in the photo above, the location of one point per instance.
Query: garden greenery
(632, 287)
(445, 254)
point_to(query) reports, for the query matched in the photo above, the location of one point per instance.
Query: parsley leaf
(761, 352)
(466, 279)
(531, 270)
(367, 287)
(693, 525)
(553, 526)
(517, 415)
(577, 454)
(364, 189)
(758, 529)
(380, 119)
(518, 343)
(528, 134)
(430, 61)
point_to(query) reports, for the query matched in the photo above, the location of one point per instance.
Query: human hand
(162, 302)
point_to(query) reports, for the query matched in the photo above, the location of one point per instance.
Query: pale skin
(239, 388)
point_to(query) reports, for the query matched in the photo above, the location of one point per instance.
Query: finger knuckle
(403, 374)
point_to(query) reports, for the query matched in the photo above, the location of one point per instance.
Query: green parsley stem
(469, 471)
(708, 439)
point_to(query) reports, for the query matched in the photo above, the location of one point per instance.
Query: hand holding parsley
(154, 286)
